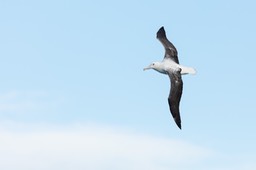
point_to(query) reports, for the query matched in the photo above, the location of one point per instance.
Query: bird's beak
(146, 68)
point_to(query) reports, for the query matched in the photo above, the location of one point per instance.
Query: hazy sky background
(73, 94)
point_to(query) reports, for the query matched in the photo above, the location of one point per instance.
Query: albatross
(170, 66)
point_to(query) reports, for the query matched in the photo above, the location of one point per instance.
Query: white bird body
(169, 65)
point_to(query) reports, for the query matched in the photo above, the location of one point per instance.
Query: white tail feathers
(187, 70)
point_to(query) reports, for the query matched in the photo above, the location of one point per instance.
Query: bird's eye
(153, 64)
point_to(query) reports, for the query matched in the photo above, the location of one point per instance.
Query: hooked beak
(146, 68)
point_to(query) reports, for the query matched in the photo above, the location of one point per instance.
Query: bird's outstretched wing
(175, 95)
(170, 50)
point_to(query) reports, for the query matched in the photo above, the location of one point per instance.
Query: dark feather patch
(175, 95)
(170, 50)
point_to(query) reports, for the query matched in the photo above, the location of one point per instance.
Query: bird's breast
(163, 71)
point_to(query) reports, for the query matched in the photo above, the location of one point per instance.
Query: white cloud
(94, 148)
(42, 147)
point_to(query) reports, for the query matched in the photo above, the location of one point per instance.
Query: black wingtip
(161, 33)
(179, 125)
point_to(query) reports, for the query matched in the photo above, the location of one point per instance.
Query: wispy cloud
(24, 101)
(15, 101)
(8, 96)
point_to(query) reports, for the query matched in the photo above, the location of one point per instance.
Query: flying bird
(170, 66)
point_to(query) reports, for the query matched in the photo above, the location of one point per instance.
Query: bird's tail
(187, 70)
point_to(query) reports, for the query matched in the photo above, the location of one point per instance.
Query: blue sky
(73, 87)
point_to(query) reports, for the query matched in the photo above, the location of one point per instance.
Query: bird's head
(154, 65)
